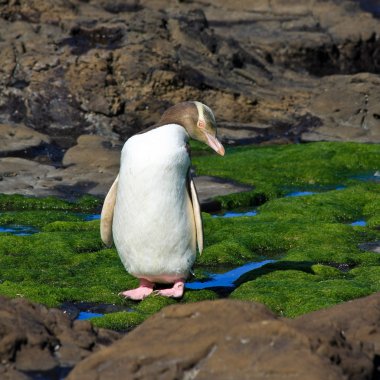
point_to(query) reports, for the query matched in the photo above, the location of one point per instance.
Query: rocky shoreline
(207, 340)
(78, 78)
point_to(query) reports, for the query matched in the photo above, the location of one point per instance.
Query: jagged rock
(36, 341)
(110, 69)
(73, 68)
(227, 339)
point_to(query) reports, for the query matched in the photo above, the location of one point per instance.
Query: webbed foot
(175, 292)
(138, 294)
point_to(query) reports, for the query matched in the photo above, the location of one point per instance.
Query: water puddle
(307, 193)
(88, 217)
(88, 310)
(235, 214)
(359, 223)
(227, 279)
(300, 194)
(369, 177)
(83, 315)
(18, 230)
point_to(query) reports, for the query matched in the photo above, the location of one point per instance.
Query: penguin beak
(214, 143)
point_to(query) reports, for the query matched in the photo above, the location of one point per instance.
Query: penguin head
(198, 120)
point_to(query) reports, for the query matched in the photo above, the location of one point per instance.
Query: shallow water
(87, 315)
(18, 230)
(359, 223)
(227, 279)
(369, 177)
(234, 214)
(300, 193)
(88, 217)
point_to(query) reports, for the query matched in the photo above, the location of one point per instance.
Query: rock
(227, 339)
(348, 108)
(73, 68)
(21, 176)
(272, 71)
(14, 138)
(37, 340)
(209, 187)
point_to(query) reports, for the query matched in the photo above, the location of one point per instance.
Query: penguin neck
(168, 134)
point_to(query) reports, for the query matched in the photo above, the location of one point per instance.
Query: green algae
(67, 262)
(126, 320)
(19, 202)
(277, 170)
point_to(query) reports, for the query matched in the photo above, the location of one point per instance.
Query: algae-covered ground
(318, 259)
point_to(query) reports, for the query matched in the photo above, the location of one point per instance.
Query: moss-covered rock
(277, 170)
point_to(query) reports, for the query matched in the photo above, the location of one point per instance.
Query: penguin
(152, 211)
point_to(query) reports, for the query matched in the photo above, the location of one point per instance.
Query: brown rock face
(35, 340)
(273, 71)
(235, 340)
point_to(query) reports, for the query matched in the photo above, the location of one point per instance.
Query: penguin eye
(201, 124)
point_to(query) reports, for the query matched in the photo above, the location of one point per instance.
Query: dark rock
(210, 187)
(36, 341)
(235, 340)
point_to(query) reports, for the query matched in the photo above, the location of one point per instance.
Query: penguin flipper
(107, 214)
(197, 214)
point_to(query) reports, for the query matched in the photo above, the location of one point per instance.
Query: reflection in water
(226, 279)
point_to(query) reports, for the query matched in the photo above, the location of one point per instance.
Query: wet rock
(36, 341)
(231, 339)
(15, 138)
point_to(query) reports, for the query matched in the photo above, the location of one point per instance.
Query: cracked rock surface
(272, 71)
(236, 340)
(36, 342)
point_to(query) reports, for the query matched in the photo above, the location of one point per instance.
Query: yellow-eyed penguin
(152, 209)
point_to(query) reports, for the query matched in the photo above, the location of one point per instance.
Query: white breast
(153, 225)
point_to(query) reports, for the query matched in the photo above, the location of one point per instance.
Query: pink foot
(138, 294)
(175, 292)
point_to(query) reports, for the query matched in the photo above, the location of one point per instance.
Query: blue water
(226, 279)
(87, 315)
(300, 193)
(232, 214)
(371, 177)
(89, 217)
(359, 223)
(18, 230)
